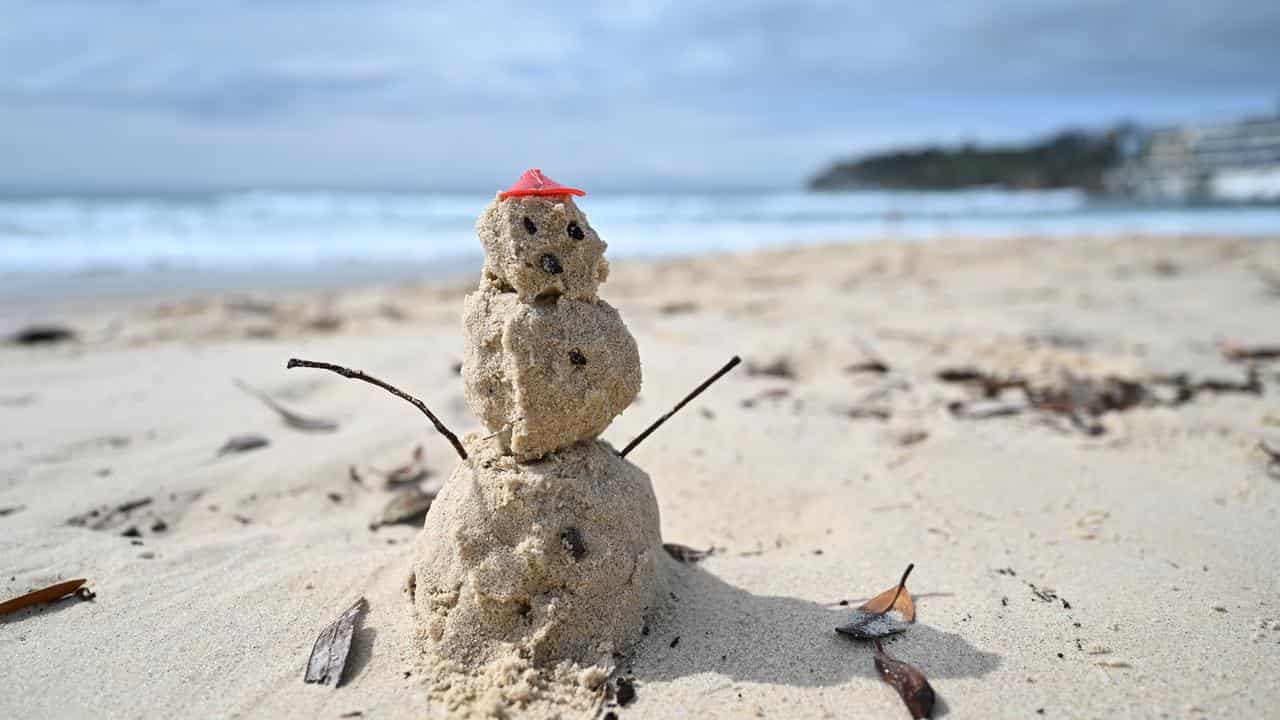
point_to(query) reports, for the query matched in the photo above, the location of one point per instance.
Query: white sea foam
(318, 230)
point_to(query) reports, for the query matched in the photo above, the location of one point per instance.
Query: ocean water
(287, 233)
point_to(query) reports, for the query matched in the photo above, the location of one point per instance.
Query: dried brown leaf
(329, 654)
(56, 591)
(870, 621)
(910, 683)
(895, 598)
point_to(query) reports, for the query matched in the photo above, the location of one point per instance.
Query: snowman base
(530, 571)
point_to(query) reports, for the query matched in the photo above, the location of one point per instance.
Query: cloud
(698, 91)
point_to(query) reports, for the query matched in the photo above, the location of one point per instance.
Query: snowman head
(541, 247)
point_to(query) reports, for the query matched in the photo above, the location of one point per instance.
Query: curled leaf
(910, 683)
(895, 598)
(870, 621)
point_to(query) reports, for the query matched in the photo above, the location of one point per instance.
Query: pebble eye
(529, 227)
(574, 230)
(577, 358)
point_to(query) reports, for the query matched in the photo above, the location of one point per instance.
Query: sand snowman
(541, 551)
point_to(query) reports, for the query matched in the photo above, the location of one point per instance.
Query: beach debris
(864, 412)
(359, 375)
(990, 385)
(1249, 353)
(412, 472)
(243, 443)
(872, 365)
(625, 691)
(686, 554)
(871, 619)
(1272, 452)
(1081, 399)
(329, 654)
(407, 507)
(291, 418)
(48, 594)
(42, 335)
(779, 367)
(911, 437)
(895, 598)
(733, 362)
(910, 683)
(104, 517)
(11, 509)
(678, 307)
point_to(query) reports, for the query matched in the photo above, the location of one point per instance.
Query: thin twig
(696, 392)
(358, 375)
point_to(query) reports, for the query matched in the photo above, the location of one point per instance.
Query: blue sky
(153, 94)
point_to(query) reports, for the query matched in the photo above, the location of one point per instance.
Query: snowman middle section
(547, 374)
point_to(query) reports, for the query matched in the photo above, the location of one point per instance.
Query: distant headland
(1070, 159)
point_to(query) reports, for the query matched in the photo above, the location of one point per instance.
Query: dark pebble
(577, 358)
(550, 263)
(159, 526)
(131, 532)
(626, 693)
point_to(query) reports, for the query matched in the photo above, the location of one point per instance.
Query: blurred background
(184, 144)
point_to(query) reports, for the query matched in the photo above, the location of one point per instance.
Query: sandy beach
(1118, 563)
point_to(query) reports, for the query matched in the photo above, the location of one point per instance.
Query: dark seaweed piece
(910, 683)
(243, 443)
(359, 375)
(626, 692)
(870, 626)
(1273, 458)
(290, 418)
(42, 335)
(571, 539)
(1250, 353)
(872, 366)
(780, 367)
(686, 554)
(529, 227)
(551, 264)
(329, 654)
(574, 230)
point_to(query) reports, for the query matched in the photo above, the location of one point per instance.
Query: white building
(1229, 162)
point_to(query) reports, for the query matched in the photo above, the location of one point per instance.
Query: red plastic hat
(533, 182)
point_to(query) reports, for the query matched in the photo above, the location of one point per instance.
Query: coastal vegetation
(1069, 159)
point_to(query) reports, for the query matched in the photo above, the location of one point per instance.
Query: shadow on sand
(712, 626)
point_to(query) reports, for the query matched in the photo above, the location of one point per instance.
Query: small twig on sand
(696, 392)
(358, 375)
